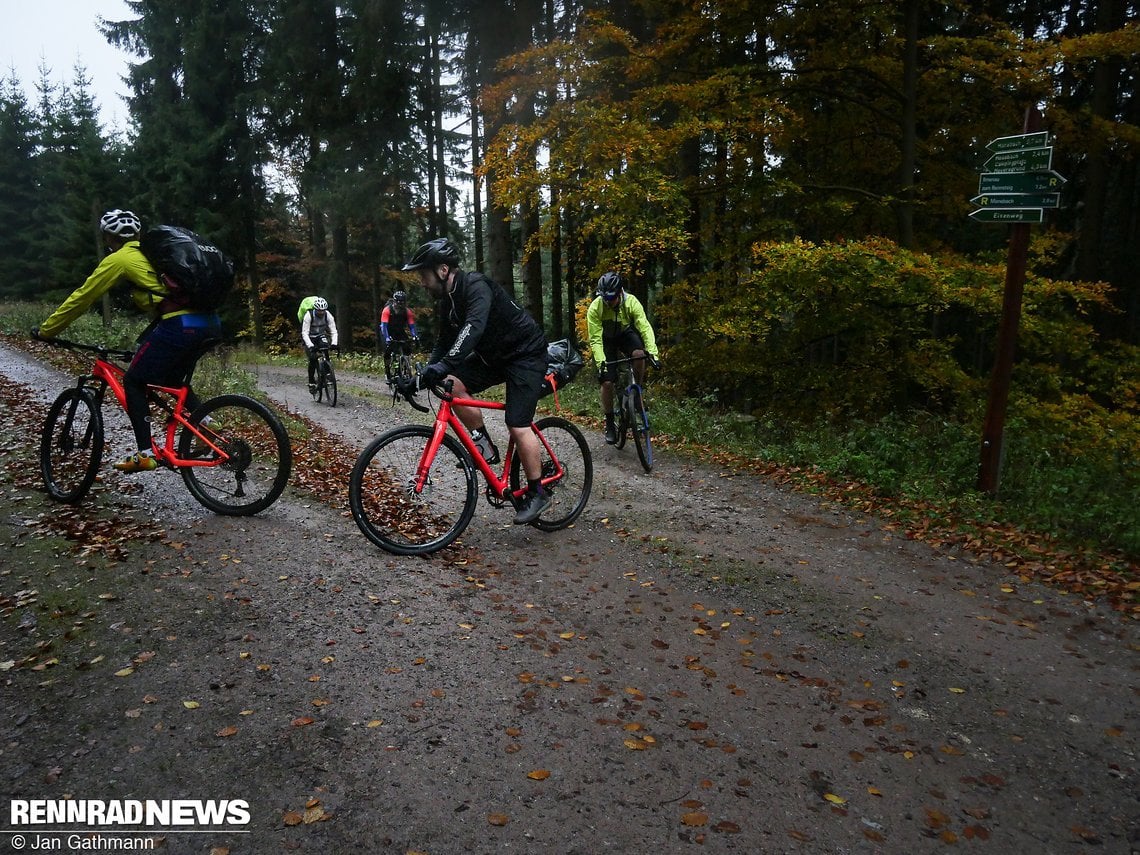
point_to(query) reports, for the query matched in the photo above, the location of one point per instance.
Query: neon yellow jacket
(126, 263)
(601, 319)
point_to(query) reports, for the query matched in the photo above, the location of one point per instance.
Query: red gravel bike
(232, 452)
(414, 489)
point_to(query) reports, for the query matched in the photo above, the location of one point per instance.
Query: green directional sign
(1020, 182)
(1029, 160)
(1008, 215)
(1018, 200)
(1021, 142)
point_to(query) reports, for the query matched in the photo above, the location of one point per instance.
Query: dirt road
(702, 661)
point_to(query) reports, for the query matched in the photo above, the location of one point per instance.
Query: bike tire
(639, 421)
(572, 491)
(71, 445)
(326, 387)
(260, 461)
(404, 367)
(622, 422)
(388, 510)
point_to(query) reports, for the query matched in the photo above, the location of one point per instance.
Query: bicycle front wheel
(639, 421)
(572, 490)
(257, 461)
(404, 367)
(327, 385)
(385, 504)
(71, 445)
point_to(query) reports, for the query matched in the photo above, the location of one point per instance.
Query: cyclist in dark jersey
(486, 338)
(397, 328)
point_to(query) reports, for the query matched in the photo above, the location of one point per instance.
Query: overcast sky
(59, 33)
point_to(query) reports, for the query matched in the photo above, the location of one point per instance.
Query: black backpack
(198, 274)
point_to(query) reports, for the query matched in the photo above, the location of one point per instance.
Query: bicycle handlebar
(654, 362)
(101, 349)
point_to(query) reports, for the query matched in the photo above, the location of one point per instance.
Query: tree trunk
(908, 138)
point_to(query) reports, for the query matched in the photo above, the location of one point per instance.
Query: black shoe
(611, 435)
(534, 503)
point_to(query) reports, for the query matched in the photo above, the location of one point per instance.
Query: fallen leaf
(499, 819)
(229, 730)
(191, 705)
(301, 721)
(695, 819)
(834, 799)
(539, 774)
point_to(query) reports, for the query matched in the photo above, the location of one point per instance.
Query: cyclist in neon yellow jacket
(168, 348)
(617, 326)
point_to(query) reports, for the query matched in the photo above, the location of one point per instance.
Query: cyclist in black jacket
(486, 338)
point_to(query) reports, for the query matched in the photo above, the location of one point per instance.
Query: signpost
(1028, 160)
(1019, 182)
(1020, 142)
(1008, 215)
(1017, 200)
(1017, 187)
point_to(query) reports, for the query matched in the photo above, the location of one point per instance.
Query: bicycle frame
(109, 375)
(500, 485)
(628, 376)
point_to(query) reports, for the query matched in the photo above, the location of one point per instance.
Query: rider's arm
(594, 330)
(308, 342)
(125, 263)
(411, 323)
(642, 325)
(474, 322)
(384, 316)
(332, 330)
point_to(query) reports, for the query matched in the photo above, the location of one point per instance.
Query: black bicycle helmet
(438, 251)
(610, 285)
(399, 298)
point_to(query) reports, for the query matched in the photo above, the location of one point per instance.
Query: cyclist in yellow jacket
(616, 325)
(168, 349)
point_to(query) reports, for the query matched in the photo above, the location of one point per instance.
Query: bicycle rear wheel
(259, 457)
(639, 421)
(326, 386)
(385, 505)
(71, 445)
(572, 490)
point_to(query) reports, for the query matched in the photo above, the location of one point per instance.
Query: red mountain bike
(414, 489)
(232, 452)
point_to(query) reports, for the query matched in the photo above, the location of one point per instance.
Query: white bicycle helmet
(321, 304)
(122, 224)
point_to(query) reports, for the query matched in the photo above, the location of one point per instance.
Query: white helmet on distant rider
(321, 304)
(122, 224)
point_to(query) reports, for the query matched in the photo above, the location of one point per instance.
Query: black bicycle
(400, 367)
(632, 415)
(325, 385)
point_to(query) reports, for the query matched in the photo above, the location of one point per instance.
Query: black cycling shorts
(524, 378)
(619, 346)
